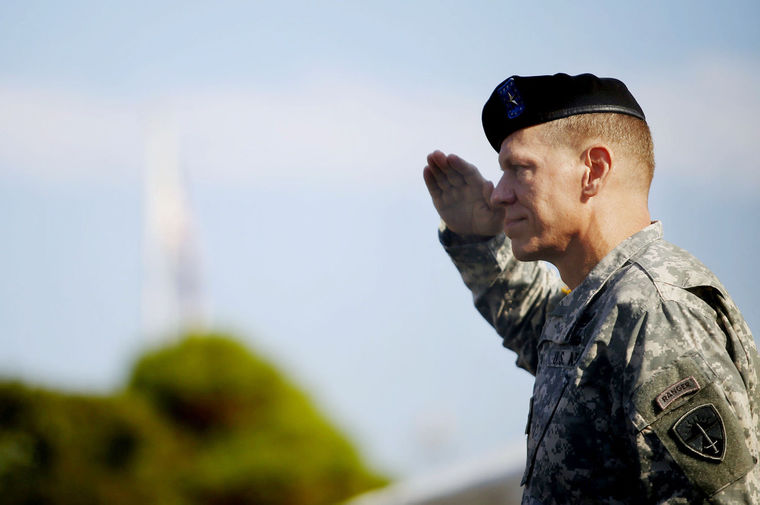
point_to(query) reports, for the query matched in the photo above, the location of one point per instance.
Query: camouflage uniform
(646, 384)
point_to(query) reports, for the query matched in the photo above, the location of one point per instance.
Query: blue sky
(303, 130)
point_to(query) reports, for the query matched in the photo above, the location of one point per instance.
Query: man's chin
(523, 252)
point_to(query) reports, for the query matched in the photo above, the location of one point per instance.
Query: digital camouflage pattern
(646, 384)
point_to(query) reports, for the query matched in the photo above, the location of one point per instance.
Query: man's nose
(503, 193)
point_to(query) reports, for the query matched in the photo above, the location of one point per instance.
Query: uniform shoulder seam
(649, 276)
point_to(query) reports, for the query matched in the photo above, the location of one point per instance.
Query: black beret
(519, 102)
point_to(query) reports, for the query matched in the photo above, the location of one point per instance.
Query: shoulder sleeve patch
(685, 408)
(701, 431)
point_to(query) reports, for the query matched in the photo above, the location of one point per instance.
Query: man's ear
(598, 162)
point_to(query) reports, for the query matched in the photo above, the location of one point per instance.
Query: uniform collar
(564, 315)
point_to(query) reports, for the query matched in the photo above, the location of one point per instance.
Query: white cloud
(54, 134)
(326, 131)
(704, 118)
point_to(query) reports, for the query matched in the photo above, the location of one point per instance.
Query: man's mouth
(511, 223)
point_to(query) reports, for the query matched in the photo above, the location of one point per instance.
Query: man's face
(540, 190)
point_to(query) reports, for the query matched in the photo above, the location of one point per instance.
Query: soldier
(646, 375)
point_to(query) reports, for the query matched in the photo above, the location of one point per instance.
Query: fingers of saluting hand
(435, 180)
(468, 173)
(431, 182)
(445, 173)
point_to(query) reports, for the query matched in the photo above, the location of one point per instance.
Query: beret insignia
(511, 98)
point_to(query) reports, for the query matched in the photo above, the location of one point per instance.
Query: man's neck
(590, 247)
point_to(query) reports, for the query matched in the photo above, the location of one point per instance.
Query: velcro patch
(676, 391)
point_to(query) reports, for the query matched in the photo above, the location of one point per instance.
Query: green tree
(76, 449)
(256, 437)
(202, 422)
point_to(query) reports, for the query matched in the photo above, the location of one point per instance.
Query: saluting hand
(462, 196)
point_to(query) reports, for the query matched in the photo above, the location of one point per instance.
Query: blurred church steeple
(173, 300)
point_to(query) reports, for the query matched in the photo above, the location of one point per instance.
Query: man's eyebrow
(514, 161)
(506, 160)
